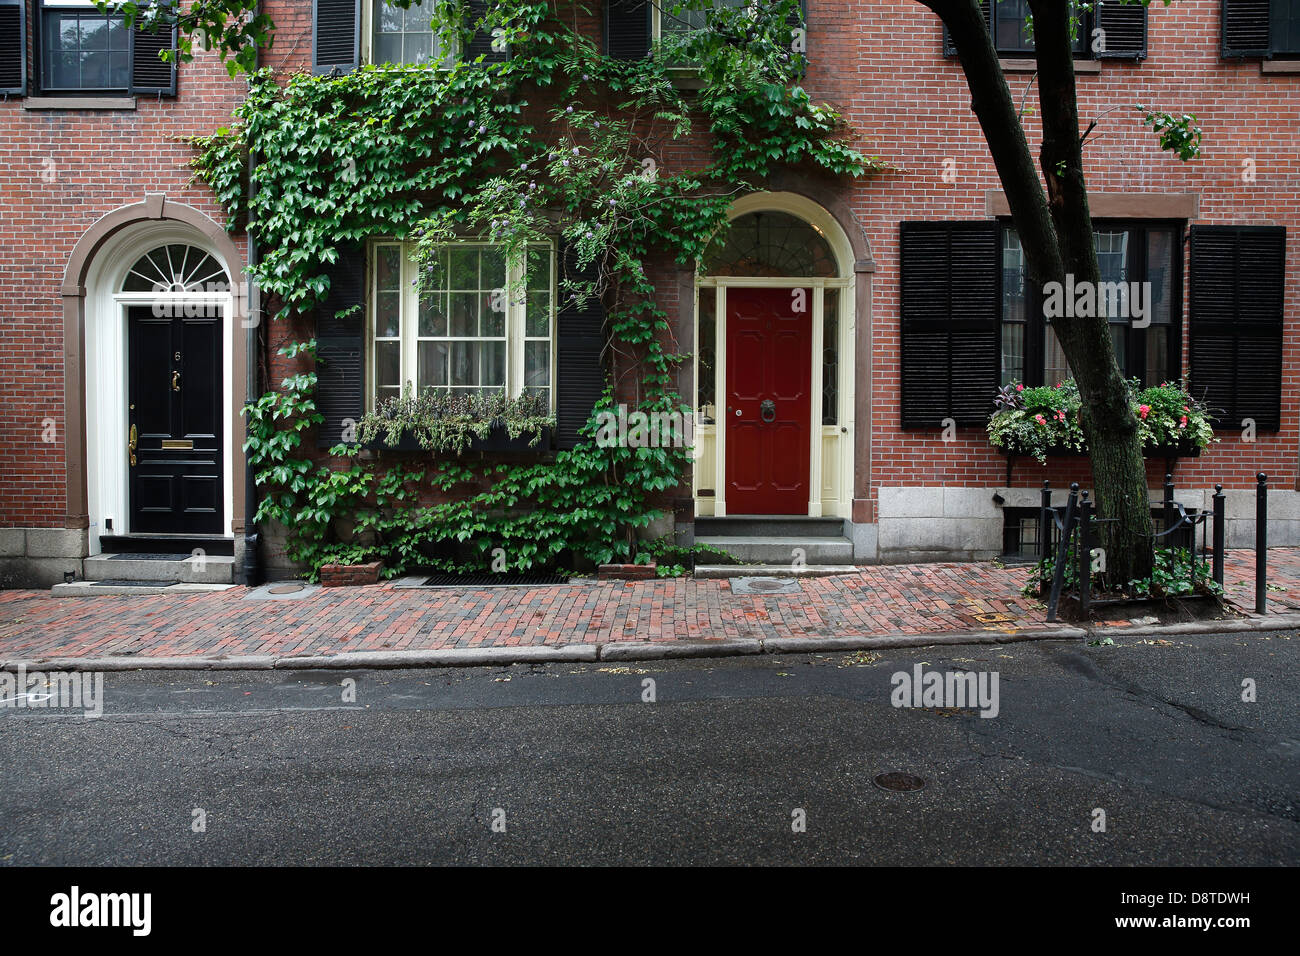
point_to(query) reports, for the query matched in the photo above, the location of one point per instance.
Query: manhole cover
(765, 586)
(284, 589)
(899, 782)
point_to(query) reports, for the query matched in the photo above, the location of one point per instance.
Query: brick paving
(879, 600)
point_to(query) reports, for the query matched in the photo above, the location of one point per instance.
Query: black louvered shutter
(580, 345)
(987, 7)
(1237, 277)
(13, 47)
(341, 347)
(336, 36)
(480, 44)
(950, 290)
(1125, 30)
(1245, 28)
(627, 29)
(149, 72)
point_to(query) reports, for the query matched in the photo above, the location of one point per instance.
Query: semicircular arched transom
(771, 244)
(176, 267)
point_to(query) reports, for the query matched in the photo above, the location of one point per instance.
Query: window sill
(79, 103)
(1031, 66)
(1279, 66)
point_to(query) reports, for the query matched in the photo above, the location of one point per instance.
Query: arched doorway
(150, 289)
(774, 369)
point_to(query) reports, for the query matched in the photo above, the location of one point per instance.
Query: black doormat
(489, 580)
(120, 583)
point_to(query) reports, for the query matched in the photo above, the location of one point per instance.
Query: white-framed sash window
(481, 323)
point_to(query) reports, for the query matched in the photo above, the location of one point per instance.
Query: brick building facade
(97, 180)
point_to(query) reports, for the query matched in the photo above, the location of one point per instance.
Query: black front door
(174, 420)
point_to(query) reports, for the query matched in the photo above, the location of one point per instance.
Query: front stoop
(150, 573)
(774, 546)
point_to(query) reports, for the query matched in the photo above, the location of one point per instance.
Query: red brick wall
(63, 170)
(882, 63)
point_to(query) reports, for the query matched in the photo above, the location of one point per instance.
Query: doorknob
(767, 410)
(130, 446)
(176, 381)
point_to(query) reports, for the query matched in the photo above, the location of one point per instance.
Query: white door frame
(107, 378)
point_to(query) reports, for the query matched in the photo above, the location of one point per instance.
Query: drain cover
(765, 586)
(899, 782)
(284, 589)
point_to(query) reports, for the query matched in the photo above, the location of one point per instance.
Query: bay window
(482, 324)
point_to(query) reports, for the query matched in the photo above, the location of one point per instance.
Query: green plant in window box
(1044, 420)
(443, 421)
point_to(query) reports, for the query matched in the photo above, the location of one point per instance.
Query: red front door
(769, 383)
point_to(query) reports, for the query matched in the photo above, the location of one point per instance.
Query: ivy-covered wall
(628, 172)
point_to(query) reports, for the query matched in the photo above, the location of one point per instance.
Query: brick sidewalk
(879, 600)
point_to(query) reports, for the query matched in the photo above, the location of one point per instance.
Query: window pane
(1013, 353)
(388, 364)
(493, 274)
(831, 357)
(707, 336)
(388, 48)
(1157, 370)
(389, 268)
(537, 320)
(388, 315)
(1112, 260)
(464, 314)
(1055, 368)
(432, 365)
(433, 317)
(494, 313)
(464, 268)
(537, 364)
(1160, 273)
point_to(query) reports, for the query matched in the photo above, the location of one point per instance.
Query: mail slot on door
(180, 444)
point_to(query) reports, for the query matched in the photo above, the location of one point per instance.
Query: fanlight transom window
(771, 244)
(176, 268)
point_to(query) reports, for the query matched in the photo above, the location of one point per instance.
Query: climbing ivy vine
(557, 139)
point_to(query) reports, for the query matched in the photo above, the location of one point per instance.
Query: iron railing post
(1045, 521)
(1261, 543)
(1085, 554)
(1219, 500)
(1063, 552)
(1169, 511)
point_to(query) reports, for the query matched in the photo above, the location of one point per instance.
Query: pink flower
(1186, 409)
(1143, 409)
(1183, 422)
(1040, 419)
(1020, 388)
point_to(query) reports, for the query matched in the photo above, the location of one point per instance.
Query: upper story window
(1261, 28)
(1109, 30)
(486, 325)
(405, 36)
(1284, 27)
(83, 49)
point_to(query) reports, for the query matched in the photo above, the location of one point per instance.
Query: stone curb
(635, 650)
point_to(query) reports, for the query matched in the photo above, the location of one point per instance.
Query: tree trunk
(1055, 230)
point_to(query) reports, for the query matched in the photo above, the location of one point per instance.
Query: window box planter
(350, 575)
(497, 440)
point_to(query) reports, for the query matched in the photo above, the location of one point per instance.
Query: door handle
(176, 381)
(767, 410)
(130, 446)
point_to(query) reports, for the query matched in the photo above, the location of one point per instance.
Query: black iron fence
(1070, 534)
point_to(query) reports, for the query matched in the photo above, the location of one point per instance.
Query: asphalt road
(580, 769)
